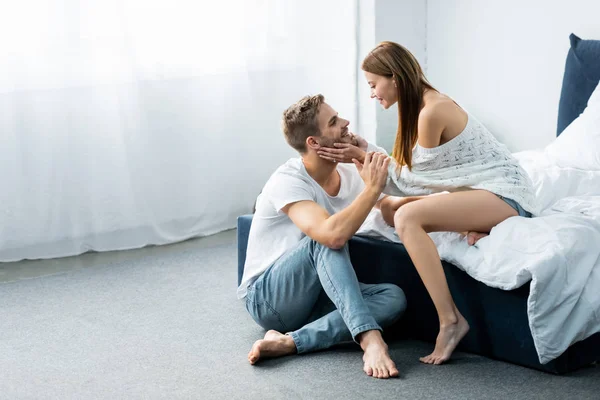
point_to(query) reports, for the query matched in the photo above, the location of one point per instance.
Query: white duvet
(558, 251)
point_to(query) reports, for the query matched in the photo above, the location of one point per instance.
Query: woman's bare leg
(390, 204)
(476, 210)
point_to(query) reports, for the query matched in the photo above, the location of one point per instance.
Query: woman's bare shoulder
(437, 111)
(440, 105)
(441, 119)
(446, 106)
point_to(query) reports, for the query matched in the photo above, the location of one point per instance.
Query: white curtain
(125, 123)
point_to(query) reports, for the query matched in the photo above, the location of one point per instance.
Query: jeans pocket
(253, 291)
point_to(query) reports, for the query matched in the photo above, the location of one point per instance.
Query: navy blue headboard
(582, 73)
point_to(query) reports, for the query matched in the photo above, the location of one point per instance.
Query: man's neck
(322, 171)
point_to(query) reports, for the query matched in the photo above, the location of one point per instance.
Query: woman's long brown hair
(392, 60)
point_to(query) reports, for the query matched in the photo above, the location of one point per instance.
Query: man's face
(333, 128)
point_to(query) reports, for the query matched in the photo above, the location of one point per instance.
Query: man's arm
(332, 230)
(335, 230)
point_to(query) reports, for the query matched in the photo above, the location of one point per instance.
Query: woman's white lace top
(472, 160)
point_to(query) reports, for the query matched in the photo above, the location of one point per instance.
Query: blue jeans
(520, 210)
(312, 294)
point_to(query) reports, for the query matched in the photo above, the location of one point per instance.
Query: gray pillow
(582, 73)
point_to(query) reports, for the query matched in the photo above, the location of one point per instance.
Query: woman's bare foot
(447, 340)
(473, 237)
(378, 363)
(274, 344)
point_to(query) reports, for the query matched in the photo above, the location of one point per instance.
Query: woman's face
(383, 89)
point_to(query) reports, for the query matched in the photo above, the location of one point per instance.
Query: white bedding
(559, 251)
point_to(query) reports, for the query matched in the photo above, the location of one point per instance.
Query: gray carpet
(164, 323)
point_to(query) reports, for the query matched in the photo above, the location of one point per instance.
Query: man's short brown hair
(300, 121)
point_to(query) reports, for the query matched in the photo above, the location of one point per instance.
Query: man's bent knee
(334, 246)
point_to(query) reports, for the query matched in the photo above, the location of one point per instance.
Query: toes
(392, 370)
(440, 360)
(430, 359)
(254, 354)
(368, 370)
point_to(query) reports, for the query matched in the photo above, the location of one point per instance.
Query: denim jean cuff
(363, 328)
(297, 341)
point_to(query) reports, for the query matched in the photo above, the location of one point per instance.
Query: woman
(439, 147)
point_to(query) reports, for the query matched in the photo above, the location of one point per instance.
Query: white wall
(366, 125)
(504, 60)
(404, 22)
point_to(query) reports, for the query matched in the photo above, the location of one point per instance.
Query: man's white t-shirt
(273, 233)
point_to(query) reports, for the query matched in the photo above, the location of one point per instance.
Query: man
(298, 279)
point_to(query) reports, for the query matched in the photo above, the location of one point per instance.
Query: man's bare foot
(274, 344)
(473, 237)
(447, 340)
(378, 363)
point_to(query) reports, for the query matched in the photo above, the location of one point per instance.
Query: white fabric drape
(125, 123)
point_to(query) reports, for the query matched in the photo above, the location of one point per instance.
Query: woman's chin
(385, 105)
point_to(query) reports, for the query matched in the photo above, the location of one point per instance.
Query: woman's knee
(388, 209)
(405, 219)
(388, 215)
(390, 205)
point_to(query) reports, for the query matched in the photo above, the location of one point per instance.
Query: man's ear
(312, 143)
